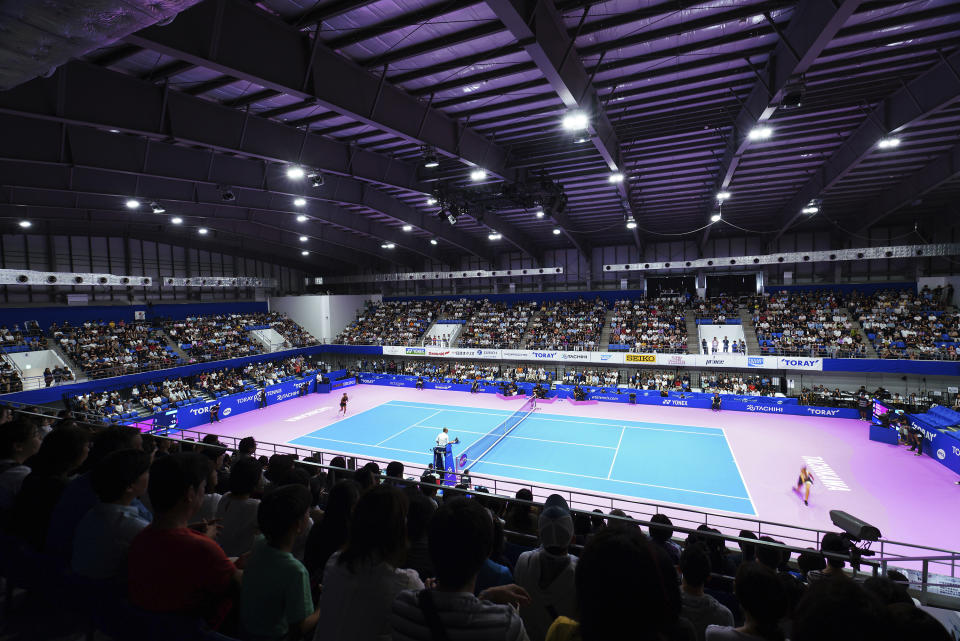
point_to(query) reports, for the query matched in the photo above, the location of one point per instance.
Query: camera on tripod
(857, 536)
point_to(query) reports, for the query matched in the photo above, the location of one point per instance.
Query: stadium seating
(112, 348)
(903, 324)
(567, 325)
(390, 323)
(806, 324)
(496, 326)
(656, 325)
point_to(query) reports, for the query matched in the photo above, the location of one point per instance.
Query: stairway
(693, 333)
(423, 339)
(855, 324)
(605, 332)
(78, 375)
(749, 332)
(176, 348)
(526, 335)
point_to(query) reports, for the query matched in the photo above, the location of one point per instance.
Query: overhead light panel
(430, 159)
(540, 213)
(407, 228)
(202, 231)
(723, 195)
(810, 210)
(715, 218)
(616, 177)
(157, 208)
(304, 253)
(494, 236)
(176, 220)
(433, 241)
(300, 202)
(295, 173)
(133, 203)
(316, 180)
(387, 246)
(431, 201)
(631, 224)
(760, 132)
(556, 231)
(304, 239)
(477, 175)
(302, 219)
(25, 224)
(576, 121)
(888, 143)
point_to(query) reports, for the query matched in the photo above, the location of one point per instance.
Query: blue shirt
(102, 538)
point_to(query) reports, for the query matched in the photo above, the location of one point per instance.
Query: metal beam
(73, 94)
(941, 169)
(915, 100)
(216, 36)
(812, 26)
(541, 30)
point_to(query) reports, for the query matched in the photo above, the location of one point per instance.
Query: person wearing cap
(547, 573)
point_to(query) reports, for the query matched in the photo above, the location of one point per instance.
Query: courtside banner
(649, 359)
(394, 350)
(233, 404)
(800, 362)
(722, 360)
(610, 358)
(677, 360)
(473, 352)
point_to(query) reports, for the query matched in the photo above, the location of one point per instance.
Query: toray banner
(199, 414)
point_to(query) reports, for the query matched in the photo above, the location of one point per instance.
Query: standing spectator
(547, 573)
(47, 377)
(460, 539)
(726, 344)
(237, 509)
(172, 568)
(19, 440)
(361, 581)
(698, 608)
(275, 595)
(104, 534)
(763, 599)
(715, 344)
(60, 454)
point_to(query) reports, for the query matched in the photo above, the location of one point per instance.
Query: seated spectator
(368, 565)
(764, 602)
(237, 509)
(521, 518)
(170, 567)
(835, 544)
(699, 608)
(104, 534)
(547, 573)
(330, 534)
(662, 534)
(460, 540)
(623, 583)
(837, 610)
(420, 512)
(275, 597)
(60, 454)
(19, 440)
(495, 571)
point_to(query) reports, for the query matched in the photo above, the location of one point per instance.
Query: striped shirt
(464, 617)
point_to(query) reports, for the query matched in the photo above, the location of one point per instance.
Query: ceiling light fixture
(114, 131)
(723, 195)
(477, 175)
(387, 246)
(157, 208)
(133, 203)
(316, 180)
(300, 202)
(616, 177)
(556, 231)
(407, 228)
(494, 236)
(304, 239)
(581, 139)
(431, 201)
(176, 220)
(760, 132)
(576, 121)
(202, 231)
(540, 213)
(433, 241)
(295, 173)
(25, 224)
(430, 159)
(888, 143)
(302, 219)
(631, 224)
(304, 253)
(810, 209)
(715, 218)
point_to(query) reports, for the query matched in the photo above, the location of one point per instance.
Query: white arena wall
(322, 315)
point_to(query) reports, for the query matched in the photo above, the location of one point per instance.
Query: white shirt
(442, 439)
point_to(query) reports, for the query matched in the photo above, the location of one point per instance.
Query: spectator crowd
(806, 324)
(567, 325)
(496, 326)
(112, 348)
(903, 324)
(656, 325)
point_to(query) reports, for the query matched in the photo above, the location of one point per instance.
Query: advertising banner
(677, 360)
(394, 350)
(722, 360)
(199, 414)
(800, 362)
(608, 358)
(648, 359)
(473, 352)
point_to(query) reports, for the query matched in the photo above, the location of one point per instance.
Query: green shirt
(275, 592)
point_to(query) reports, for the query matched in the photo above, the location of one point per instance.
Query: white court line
(525, 438)
(576, 421)
(336, 440)
(622, 432)
(407, 428)
(739, 471)
(600, 478)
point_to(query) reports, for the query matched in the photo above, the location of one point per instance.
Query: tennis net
(479, 448)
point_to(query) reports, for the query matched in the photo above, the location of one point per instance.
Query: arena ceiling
(850, 108)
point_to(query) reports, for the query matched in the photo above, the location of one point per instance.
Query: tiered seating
(806, 324)
(21, 340)
(296, 335)
(567, 325)
(656, 325)
(9, 378)
(496, 326)
(391, 323)
(903, 324)
(109, 348)
(718, 310)
(214, 338)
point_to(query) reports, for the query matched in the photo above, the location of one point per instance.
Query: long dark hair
(330, 534)
(378, 529)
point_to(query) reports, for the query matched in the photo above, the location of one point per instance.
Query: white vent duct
(451, 275)
(218, 281)
(70, 279)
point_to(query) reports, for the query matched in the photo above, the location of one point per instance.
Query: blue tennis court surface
(671, 463)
